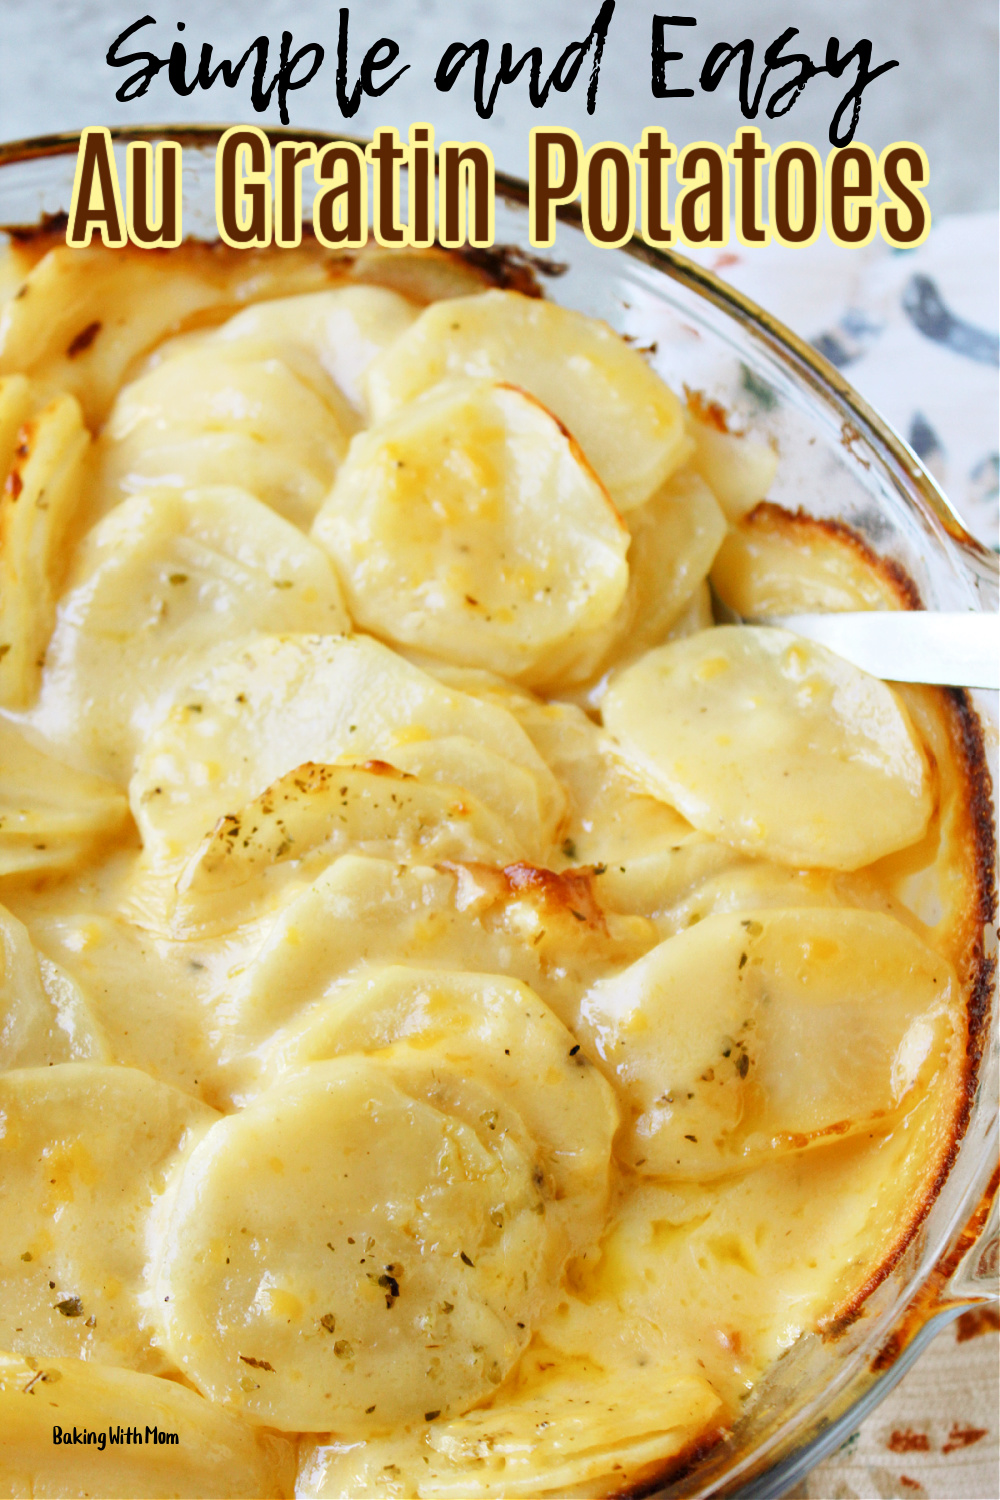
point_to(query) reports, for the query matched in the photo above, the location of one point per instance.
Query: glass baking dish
(839, 461)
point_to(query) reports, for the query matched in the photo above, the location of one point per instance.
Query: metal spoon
(957, 650)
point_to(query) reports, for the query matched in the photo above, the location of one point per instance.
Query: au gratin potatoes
(464, 1015)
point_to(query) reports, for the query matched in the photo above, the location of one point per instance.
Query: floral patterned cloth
(934, 1436)
(915, 331)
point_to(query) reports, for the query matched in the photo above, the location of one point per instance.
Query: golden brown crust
(675, 1467)
(711, 413)
(512, 269)
(900, 590)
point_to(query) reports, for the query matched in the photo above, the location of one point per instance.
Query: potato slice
(320, 1239)
(16, 404)
(186, 1445)
(247, 717)
(51, 816)
(44, 1016)
(489, 1027)
(318, 812)
(737, 470)
(157, 583)
(774, 563)
(344, 328)
(150, 998)
(647, 857)
(422, 275)
(84, 1149)
(363, 913)
(674, 539)
(629, 425)
(264, 417)
(468, 524)
(774, 1031)
(775, 745)
(39, 504)
(577, 1435)
(83, 316)
(359, 913)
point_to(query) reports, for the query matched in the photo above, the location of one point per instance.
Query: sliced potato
(774, 563)
(321, 1238)
(527, 804)
(468, 524)
(361, 913)
(85, 1150)
(775, 745)
(674, 538)
(321, 811)
(40, 502)
(17, 401)
(248, 717)
(43, 1017)
(345, 328)
(421, 275)
(737, 470)
(187, 1446)
(646, 856)
(484, 1026)
(575, 1435)
(264, 417)
(157, 583)
(775, 1031)
(12, 272)
(150, 998)
(83, 316)
(51, 815)
(629, 425)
